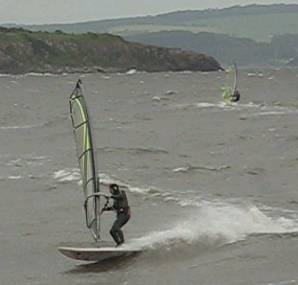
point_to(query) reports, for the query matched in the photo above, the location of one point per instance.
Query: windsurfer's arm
(109, 208)
(117, 196)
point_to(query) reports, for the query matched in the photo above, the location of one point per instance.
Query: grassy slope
(24, 51)
(259, 23)
(256, 27)
(279, 51)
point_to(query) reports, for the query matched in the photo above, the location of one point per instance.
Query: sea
(212, 185)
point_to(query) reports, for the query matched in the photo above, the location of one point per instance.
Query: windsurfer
(120, 205)
(236, 96)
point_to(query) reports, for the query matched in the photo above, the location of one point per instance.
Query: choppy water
(213, 186)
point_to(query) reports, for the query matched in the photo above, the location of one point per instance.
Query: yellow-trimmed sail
(230, 87)
(86, 156)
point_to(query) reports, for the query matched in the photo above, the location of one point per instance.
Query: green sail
(231, 83)
(86, 156)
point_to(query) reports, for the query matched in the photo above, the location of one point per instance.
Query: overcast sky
(53, 11)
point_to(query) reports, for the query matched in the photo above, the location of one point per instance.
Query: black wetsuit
(236, 96)
(120, 205)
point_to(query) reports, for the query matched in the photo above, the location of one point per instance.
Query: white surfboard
(96, 253)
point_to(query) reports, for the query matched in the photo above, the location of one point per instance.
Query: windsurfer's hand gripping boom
(107, 197)
(107, 206)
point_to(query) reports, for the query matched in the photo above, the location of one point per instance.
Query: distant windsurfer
(231, 93)
(235, 97)
(120, 205)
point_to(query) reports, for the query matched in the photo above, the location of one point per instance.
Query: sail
(231, 83)
(235, 78)
(86, 156)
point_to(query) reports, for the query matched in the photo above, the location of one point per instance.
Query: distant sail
(230, 92)
(235, 78)
(86, 156)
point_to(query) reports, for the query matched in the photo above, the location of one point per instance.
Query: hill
(25, 51)
(257, 22)
(246, 52)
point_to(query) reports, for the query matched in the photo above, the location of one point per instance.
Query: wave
(272, 113)
(171, 92)
(29, 160)
(74, 175)
(6, 75)
(12, 177)
(253, 109)
(134, 150)
(23, 167)
(189, 168)
(285, 282)
(45, 74)
(214, 224)
(18, 127)
(275, 110)
(255, 74)
(218, 105)
(131, 72)
(39, 125)
(67, 175)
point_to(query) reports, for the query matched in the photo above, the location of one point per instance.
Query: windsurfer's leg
(114, 236)
(115, 232)
(123, 219)
(121, 236)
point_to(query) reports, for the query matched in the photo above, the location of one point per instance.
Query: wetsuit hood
(114, 188)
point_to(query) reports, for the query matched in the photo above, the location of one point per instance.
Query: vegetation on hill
(257, 22)
(246, 52)
(24, 51)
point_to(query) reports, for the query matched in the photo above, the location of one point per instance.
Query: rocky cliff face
(24, 51)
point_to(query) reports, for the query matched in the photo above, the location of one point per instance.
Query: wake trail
(216, 224)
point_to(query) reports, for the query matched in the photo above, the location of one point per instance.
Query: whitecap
(67, 175)
(131, 72)
(18, 127)
(215, 223)
(15, 177)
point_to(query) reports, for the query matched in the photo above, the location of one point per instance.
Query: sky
(67, 11)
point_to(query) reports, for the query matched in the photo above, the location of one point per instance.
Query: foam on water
(212, 222)
(219, 105)
(251, 108)
(216, 224)
(45, 74)
(5, 75)
(286, 282)
(131, 72)
(67, 175)
(189, 168)
(273, 113)
(29, 161)
(18, 127)
(73, 175)
(22, 167)
(17, 177)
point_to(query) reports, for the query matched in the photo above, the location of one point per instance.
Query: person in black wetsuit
(120, 205)
(236, 96)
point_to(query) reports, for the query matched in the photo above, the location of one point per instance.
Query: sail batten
(86, 157)
(80, 125)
